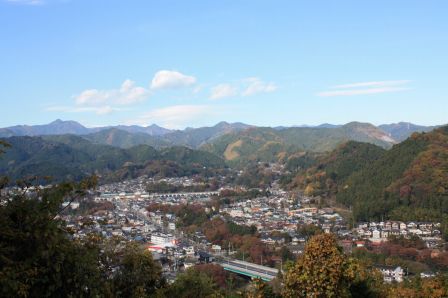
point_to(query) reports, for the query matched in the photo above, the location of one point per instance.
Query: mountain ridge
(270, 145)
(402, 130)
(59, 126)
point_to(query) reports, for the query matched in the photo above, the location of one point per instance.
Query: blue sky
(195, 63)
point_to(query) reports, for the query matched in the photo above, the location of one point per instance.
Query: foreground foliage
(39, 258)
(324, 271)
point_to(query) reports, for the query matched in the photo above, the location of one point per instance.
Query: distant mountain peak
(328, 125)
(402, 130)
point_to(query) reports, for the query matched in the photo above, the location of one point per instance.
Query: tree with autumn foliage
(324, 271)
(260, 289)
(435, 287)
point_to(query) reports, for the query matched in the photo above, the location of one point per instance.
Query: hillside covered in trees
(407, 182)
(272, 145)
(69, 157)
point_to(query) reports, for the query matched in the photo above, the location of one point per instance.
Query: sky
(194, 63)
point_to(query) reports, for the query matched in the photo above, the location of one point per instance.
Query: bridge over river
(248, 269)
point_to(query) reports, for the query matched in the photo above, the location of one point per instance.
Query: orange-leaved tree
(324, 271)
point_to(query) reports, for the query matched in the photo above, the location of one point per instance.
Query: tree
(324, 271)
(215, 272)
(286, 254)
(138, 275)
(260, 289)
(308, 230)
(4, 145)
(436, 287)
(319, 272)
(193, 283)
(37, 257)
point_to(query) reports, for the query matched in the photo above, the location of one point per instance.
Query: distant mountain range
(127, 136)
(190, 136)
(237, 143)
(402, 130)
(59, 127)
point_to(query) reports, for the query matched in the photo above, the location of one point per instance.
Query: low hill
(195, 137)
(413, 174)
(69, 157)
(407, 182)
(326, 174)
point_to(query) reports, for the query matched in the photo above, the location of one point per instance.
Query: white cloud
(364, 88)
(223, 90)
(127, 94)
(256, 85)
(167, 79)
(173, 116)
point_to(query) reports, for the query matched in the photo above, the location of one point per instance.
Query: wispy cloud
(174, 117)
(169, 79)
(222, 91)
(256, 85)
(245, 87)
(26, 2)
(364, 88)
(373, 84)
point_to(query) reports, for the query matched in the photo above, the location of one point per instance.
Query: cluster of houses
(274, 216)
(281, 213)
(378, 232)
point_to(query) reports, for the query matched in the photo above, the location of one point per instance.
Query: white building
(160, 238)
(392, 274)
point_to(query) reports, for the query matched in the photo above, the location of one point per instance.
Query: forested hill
(268, 144)
(325, 174)
(69, 157)
(409, 181)
(412, 174)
